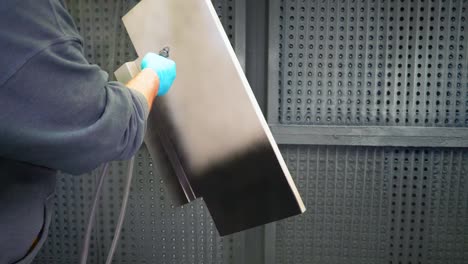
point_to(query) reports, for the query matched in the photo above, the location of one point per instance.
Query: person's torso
(26, 28)
(25, 191)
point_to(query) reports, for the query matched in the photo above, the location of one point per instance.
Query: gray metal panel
(391, 63)
(274, 83)
(371, 136)
(154, 231)
(256, 56)
(221, 139)
(376, 205)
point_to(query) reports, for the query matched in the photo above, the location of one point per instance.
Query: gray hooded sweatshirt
(57, 112)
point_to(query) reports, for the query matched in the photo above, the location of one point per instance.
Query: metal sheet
(211, 118)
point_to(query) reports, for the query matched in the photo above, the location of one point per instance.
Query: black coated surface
(243, 197)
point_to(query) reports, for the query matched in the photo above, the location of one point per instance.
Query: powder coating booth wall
(368, 99)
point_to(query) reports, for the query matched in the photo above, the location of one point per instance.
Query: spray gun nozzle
(165, 52)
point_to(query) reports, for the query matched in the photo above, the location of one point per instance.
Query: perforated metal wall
(154, 230)
(225, 10)
(373, 62)
(377, 205)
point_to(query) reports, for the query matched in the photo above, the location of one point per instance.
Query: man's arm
(147, 83)
(58, 111)
(156, 78)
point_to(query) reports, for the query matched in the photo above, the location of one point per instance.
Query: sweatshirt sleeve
(61, 112)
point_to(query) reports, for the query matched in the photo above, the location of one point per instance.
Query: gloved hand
(164, 68)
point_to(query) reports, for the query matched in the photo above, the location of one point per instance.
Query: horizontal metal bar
(371, 136)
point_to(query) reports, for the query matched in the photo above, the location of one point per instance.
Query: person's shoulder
(63, 19)
(27, 27)
(43, 19)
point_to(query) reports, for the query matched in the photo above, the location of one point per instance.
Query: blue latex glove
(164, 68)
